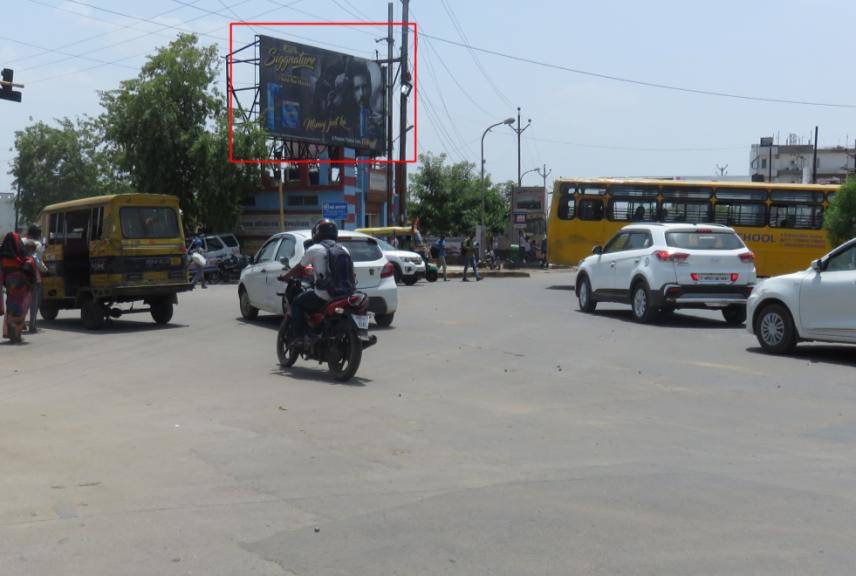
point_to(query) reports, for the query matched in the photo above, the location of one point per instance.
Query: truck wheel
(161, 311)
(93, 314)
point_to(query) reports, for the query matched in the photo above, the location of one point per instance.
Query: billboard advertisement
(322, 97)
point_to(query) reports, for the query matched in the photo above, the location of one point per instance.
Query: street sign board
(767, 142)
(519, 219)
(335, 210)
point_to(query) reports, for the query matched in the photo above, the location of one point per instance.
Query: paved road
(493, 430)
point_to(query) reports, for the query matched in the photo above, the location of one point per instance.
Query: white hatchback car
(814, 304)
(657, 268)
(409, 266)
(259, 287)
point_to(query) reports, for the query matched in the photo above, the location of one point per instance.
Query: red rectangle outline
(233, 160)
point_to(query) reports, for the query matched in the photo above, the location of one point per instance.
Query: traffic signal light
(6, 92)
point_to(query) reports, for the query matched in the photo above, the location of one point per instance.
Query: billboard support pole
(390, 215)
(401, 180)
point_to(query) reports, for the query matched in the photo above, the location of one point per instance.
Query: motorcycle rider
(324, 235)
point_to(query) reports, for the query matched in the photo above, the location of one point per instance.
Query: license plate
(362, 322)
(714, 277)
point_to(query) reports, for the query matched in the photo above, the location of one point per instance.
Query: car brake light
(694, 276)
(665, 256)
(387, 270)
(734, 276)
(747, 256)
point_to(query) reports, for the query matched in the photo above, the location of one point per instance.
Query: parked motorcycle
(229, 268)
(337, 334)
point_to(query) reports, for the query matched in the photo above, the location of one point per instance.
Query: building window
(302, 200)
(763, 163)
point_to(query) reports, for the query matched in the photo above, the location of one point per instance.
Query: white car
(258, 286)
(814, 304)
(409, 266)
(657, 268)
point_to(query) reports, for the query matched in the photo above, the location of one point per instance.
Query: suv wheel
(384, 320)
(584, 295)
(734, 315)
(640, 301)
(775, 330)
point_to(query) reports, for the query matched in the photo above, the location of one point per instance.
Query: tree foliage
(58, 163)
(447, 199)
(158, 121)
(840, 218)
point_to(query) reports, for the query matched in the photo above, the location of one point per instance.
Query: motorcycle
(337, 334)
(229, 269)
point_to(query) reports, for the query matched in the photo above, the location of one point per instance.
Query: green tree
(54, 164)
(840, 218)
(448, 198)
(158, 123)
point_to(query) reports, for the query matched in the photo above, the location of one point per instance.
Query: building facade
(792, 163)
(307, 188)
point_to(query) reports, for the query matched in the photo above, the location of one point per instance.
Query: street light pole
(508, 121)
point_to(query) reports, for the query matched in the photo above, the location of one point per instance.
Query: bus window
(690, 212)
(740, 194)
(591, 190)
(567, 204)
(740, 214)
(632, 210)
(699, 193)
(806, 196)
(591, 209)
(633, 191)
(830, 196)
(800, 216)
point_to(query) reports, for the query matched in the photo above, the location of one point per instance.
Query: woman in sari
(17, 270)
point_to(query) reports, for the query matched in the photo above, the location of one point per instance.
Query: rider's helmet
(325, 229)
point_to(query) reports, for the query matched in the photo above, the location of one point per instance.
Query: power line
(93, 37)
(37, 47)
(640, 82)
(450, 13)
(347, 10)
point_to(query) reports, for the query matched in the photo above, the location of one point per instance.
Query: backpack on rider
(340, 280)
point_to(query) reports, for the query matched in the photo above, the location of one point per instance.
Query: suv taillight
(666, 256)
(747, 256)
(387, 270)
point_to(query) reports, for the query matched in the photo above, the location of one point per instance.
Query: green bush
(840, 218)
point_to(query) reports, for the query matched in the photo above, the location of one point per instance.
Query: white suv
(657, 268)
(409, 266)
(814, 304)
(258, 287)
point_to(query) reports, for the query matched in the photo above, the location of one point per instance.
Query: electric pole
(401, 178)
(520, 131)
(814, 159)
(390, 215)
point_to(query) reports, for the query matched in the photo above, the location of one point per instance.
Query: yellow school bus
(780, 223)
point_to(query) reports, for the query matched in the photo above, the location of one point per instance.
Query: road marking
(740, 369)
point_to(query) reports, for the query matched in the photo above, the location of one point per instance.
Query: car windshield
(704, 240)
(362, 249)
(385, 246)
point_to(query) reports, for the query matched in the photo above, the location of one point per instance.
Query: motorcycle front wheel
(346, 356)
(287, 356)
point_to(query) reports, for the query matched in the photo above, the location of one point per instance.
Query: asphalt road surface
(493, 430)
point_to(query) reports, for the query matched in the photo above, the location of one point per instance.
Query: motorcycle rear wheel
(348, 354)
(287, 356)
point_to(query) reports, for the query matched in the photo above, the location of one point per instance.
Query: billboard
(322, 97)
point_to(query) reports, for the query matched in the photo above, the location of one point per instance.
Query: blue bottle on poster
(273, 95)
(290, 116)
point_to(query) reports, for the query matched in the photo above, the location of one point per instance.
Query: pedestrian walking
(544, 263)
(33, 241)
(469, 254)
(440, 250)
(18, 273)
(197, 245)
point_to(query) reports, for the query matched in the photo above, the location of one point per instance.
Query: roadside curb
(490, 274)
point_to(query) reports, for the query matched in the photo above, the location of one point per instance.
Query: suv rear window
(229, 240)
(155, 222)
(362, 249)
(704, 240)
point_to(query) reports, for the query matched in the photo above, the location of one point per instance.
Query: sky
(66, 51)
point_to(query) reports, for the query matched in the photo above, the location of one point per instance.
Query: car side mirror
(284, 262)
(817, 265)
(597, 250)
